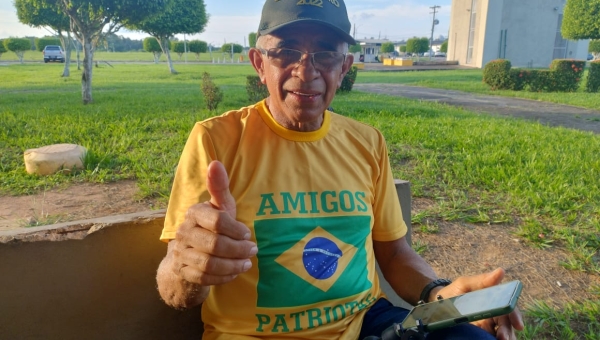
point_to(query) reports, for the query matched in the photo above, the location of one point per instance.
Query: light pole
(435, 22)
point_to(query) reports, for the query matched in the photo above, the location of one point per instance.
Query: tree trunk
(86, 75)
(67, 45)
(164, 44)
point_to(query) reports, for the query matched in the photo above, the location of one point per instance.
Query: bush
(212, 93)
(496, 74)
(41, 43)
(566, 75)
(518, 79)
(256, 90)
(348, 80)
(538, 80)
(593, 78)
(2, 48)
(178, 47)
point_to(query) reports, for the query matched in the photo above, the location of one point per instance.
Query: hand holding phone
(477, 305)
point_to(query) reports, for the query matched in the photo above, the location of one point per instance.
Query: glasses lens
(283, 57)
(328, 59)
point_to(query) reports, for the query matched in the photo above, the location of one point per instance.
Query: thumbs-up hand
(211, 246)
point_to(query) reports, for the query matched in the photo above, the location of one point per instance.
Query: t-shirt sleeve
(189, 185)
(388, 222)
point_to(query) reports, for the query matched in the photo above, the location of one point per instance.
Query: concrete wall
(529, 27)
(95, 279)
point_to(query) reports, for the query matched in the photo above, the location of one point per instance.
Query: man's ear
(346, 67)
(256, 59)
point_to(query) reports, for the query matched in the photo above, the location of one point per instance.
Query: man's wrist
(432, 287)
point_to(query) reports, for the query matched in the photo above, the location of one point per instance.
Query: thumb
(217, 183)
(484, 280)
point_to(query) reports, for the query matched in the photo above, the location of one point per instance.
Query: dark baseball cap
(277, 14)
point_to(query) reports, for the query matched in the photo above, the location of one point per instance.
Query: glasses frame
(311, 56)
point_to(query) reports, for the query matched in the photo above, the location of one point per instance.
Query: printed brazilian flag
(307, 260)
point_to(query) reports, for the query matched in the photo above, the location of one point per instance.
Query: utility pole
(435, 22)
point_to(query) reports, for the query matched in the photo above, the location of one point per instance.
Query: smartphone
(480, 304)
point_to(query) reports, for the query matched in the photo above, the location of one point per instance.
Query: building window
(472, 31)
(560, 44)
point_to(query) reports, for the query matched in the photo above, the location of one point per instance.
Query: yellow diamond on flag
(319, 258)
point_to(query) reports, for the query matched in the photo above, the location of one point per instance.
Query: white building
(526, 32)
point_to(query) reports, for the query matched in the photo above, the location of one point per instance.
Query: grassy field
(35, 56)
(471, 81)
(479, 169)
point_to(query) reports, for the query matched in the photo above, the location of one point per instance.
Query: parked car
(440, 54)
(54, 53)
(590, 57)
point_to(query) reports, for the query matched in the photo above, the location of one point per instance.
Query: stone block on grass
(51, 159)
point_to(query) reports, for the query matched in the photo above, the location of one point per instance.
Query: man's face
(300, 92)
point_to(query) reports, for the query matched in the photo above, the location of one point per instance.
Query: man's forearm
(176, 291)
(406, 271)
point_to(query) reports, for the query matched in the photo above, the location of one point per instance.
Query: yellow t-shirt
(314, 202)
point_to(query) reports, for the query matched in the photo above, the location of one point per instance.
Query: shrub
(41, 43)
(348, 80)
(2, 48)
(178, 47)
(212, 93)
(496, 74)
(256, 89)
(197, 47)
(18, 45)
(538, 80)
(593, 78)
(566, 75)
(518, 78)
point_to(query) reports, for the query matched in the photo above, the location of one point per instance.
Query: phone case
(473, 306)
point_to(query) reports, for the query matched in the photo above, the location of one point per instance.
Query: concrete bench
(95, 279)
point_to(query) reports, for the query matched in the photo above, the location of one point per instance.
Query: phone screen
(480, 304)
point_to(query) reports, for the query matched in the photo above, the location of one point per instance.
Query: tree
(387, 47)
(237, 48)
(594, 48)
(581, 20)
(178, 47)
(40, 43)
(417, 45)
(197, 47)
(93, 19)
(354, 48)
(180, 17)
(47, 14)
(2, 48)
(152, 45)
(444, 47)
(18, 45)
(252, 39)
(403, 48)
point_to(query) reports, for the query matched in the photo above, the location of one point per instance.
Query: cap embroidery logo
(336, 3)
(317, 3)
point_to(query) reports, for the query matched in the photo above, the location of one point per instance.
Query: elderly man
(279, 210)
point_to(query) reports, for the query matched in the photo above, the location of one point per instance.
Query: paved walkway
(544, 112)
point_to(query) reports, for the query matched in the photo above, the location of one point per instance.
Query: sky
(232, 20)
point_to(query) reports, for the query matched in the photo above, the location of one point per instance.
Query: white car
(54, 53)
(440, 54)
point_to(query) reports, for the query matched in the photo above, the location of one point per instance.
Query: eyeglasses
(324, 60)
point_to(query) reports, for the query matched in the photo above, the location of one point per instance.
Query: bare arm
(404, 269)
(408, 274)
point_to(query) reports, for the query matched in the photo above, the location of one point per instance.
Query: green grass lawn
(141, 56)
(477, 168)
(471, 81)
